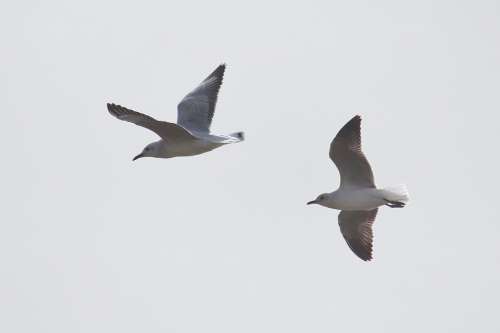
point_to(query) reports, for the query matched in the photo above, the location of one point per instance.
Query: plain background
(93, 242)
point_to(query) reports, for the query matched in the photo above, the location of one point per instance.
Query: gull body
(357, 196)
(164, 149)
(191, 134)
(197, 145)
(354, 199)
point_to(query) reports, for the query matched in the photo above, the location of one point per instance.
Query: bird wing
(345, 152)
(167, 131)
(356, 227)
(196, 110)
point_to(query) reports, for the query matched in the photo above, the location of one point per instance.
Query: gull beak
(312, 202)
(138, 156)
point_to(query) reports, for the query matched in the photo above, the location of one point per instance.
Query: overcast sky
(223, 242)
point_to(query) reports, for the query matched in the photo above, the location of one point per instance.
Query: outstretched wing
(196, 110)
(356, 227)
(166, 130)
(345, 152)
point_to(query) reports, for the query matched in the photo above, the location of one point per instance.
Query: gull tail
(240, 136)
(396, 196)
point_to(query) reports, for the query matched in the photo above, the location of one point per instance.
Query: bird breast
(356, 199)
(188, 148)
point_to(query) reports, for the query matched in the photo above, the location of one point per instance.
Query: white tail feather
(397, 193)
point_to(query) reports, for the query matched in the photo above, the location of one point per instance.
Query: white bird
(191, 135)
(357, 197)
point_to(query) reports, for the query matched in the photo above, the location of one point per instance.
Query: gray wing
(356, 227)
(166, 130)
(196, 110)
(345, 152)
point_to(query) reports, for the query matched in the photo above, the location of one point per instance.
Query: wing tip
(352, 127)
(112, 105)
(219, 71)
(354, 120)
(111, 108)
(114, 109)
(364, 254)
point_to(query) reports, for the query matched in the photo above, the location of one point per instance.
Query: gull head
(321, 199)
(151, 150)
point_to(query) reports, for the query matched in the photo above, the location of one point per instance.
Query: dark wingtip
(219, 71)
(112, 108)
(353, 126)
(355, 120)
(363, 254)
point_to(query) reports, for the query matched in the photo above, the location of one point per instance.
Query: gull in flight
(191, 135)
(357, 197)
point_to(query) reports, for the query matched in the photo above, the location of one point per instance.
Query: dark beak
(138, 156)
(312, 202)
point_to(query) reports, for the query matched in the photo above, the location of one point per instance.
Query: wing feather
(345, 152)
(356, 227)
(167, 131)
(196, 110)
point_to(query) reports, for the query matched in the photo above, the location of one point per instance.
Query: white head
(151, 150)
(321, 199)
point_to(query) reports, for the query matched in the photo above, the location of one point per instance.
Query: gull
(357, 197)
(191, 135)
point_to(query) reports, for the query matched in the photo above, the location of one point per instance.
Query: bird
(357, 197)
(191, 134)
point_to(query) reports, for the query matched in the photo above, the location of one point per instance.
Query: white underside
(355, 199)
(200, 144)
(364, 198)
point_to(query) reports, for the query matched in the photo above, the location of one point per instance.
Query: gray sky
(93, 242)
